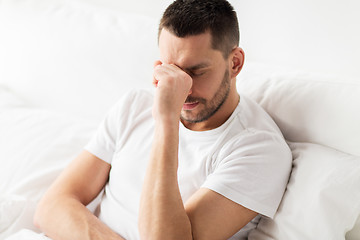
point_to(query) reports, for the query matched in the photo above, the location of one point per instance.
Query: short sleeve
(103, 143)
(253, 171)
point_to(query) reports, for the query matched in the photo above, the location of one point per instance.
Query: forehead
(186, 51)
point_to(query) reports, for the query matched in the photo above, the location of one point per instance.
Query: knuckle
(184, 75)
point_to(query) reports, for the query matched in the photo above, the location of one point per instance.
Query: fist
(173, 85)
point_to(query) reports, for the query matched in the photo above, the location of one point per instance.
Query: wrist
(166, 118)
(167, 125)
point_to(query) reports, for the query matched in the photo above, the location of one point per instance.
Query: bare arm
(62, 213)
(163, 215)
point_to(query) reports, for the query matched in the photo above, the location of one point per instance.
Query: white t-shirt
(246, 160)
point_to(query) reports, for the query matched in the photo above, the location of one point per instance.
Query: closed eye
(197, 74)
(198, 70)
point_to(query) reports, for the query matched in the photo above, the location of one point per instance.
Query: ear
(236, 58)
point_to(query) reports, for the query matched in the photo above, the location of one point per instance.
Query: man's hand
(173, 85)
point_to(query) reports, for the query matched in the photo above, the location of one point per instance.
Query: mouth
(190, 105)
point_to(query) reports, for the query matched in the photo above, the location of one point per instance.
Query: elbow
(43, 209)
(39, 215)
(36, 219)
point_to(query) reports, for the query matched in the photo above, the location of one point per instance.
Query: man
(194, 161)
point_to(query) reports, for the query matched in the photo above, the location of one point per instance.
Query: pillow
(321, 200)
(8, 98)
(37, 145)
(74, 56)
(307, 107)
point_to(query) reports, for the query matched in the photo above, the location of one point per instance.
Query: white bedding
(322, 197)
(26, 234)
(36, 144)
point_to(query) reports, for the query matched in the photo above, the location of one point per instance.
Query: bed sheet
(35, 146)
(26, 234)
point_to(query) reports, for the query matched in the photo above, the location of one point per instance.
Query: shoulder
(128, 107)
(252, 168)
(251, 128)
(251, 115)
(259, 144)
(135, 97)
(131, 103)
(254, 134)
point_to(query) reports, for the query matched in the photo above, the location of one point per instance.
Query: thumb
(155, 81)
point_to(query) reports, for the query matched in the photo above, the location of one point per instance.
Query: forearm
(66, 218)
(162, 213)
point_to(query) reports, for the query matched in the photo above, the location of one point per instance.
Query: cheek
(206, 86)
(209, 83)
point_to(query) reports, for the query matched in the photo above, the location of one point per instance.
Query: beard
(210, 106)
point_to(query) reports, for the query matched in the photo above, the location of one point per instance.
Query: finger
(157, 63)
(155, 81)
(160, 72)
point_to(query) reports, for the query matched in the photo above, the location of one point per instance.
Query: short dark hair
(192, 17)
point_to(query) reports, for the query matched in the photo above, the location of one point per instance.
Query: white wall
(309, 35)
(321, 36)
(153, 8)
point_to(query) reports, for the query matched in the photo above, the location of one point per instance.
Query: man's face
(206, 66)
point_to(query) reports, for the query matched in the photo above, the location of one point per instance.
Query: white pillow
(8, 98)
(36, 145)
(38, 142)
(74, 56)
(307, 107)
(321, 200)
